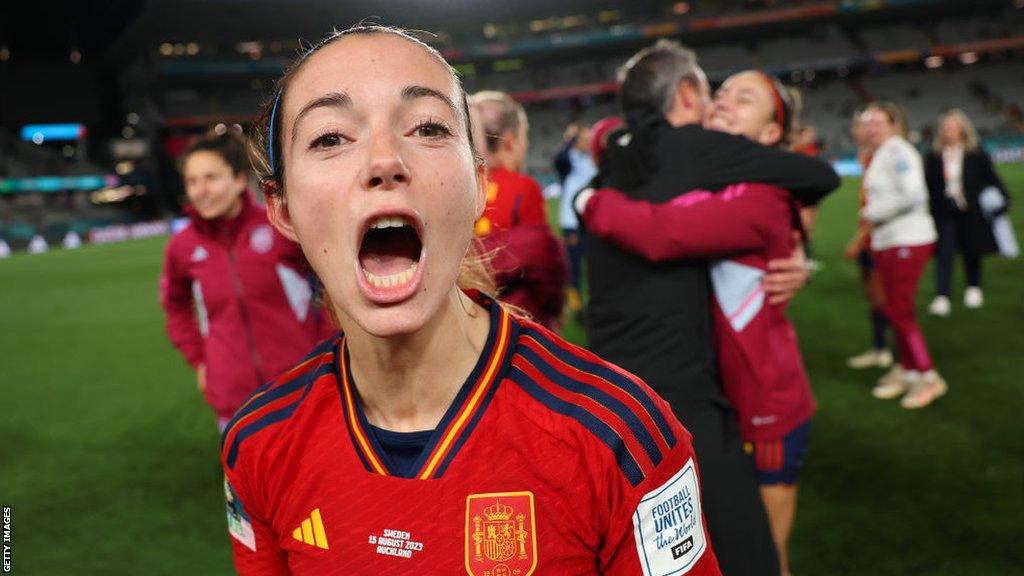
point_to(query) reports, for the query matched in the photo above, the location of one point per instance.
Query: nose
(385, 169)
(195, 189)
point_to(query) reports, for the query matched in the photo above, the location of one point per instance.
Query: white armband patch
(668, 526)
(238, 521)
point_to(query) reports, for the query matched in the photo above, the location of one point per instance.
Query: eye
(327, 140)
(432, 129)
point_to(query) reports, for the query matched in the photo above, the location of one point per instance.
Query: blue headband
(270, 136)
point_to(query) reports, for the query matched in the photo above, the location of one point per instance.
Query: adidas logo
(311, 531)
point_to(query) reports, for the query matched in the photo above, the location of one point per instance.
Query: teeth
(392, 280)
(389, 222)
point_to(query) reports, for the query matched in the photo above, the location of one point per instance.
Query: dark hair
(229, 145)
(647, 87)
(266, 142)
(649, 79)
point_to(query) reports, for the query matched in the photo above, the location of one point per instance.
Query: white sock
(912, 375)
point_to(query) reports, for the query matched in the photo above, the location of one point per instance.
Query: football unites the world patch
(501, 534)
(667, 526)
(239, 525)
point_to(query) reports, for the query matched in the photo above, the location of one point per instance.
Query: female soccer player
(529, 264)
(957, 170)
(902, 240)
(248, 284)
(746, 225)
(437, 434)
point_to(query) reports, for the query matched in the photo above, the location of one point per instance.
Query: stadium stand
(839, 54)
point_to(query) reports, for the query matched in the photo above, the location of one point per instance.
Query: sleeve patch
(238, 522)
(668, 528)
(900, 164)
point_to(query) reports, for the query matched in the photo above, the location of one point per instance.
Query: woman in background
(239, 304)
(957, 170)
(529, 263)
(902, 240)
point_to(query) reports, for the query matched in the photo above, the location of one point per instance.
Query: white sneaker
(925, 392)
(973, 297)
(871, 359)
(940, 306)
(893, 384)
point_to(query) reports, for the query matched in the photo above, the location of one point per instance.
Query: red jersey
(746, 225)
(531, 268)
(512, 199)
(549, 461)
(238, 300)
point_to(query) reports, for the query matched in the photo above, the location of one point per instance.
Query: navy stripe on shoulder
(307, 380)
(324, 346)
(624, 382)
(275, 389)
(613, 404)
(592, 423)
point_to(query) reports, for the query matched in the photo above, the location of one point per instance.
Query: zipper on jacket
(240, 297)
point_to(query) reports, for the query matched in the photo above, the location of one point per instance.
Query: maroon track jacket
(239, 300)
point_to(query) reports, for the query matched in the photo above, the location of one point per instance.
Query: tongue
(389, 251)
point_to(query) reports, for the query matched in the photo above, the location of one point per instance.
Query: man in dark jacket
(654, 319)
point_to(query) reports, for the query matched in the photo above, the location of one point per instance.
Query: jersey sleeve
(706, 226)
(176, 300)
(658, 526)
(256, 552)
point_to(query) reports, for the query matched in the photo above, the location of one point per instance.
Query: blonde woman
(957, 170)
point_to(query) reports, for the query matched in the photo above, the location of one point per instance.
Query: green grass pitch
(108, 456)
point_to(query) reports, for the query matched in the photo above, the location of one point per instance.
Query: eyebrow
(332, 100)
(343, 100)
(414, 92)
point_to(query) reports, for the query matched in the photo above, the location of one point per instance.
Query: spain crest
(501, 534)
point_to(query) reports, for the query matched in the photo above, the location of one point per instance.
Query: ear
(277, 211)
(686, 95)
(770, 135)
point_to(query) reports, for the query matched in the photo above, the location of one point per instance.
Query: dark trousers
(954, 236)
(574, 246)
(737, 522)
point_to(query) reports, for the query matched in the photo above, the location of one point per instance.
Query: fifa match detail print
(501, 534)
(667, 526)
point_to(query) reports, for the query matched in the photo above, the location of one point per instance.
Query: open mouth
(390, 252)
